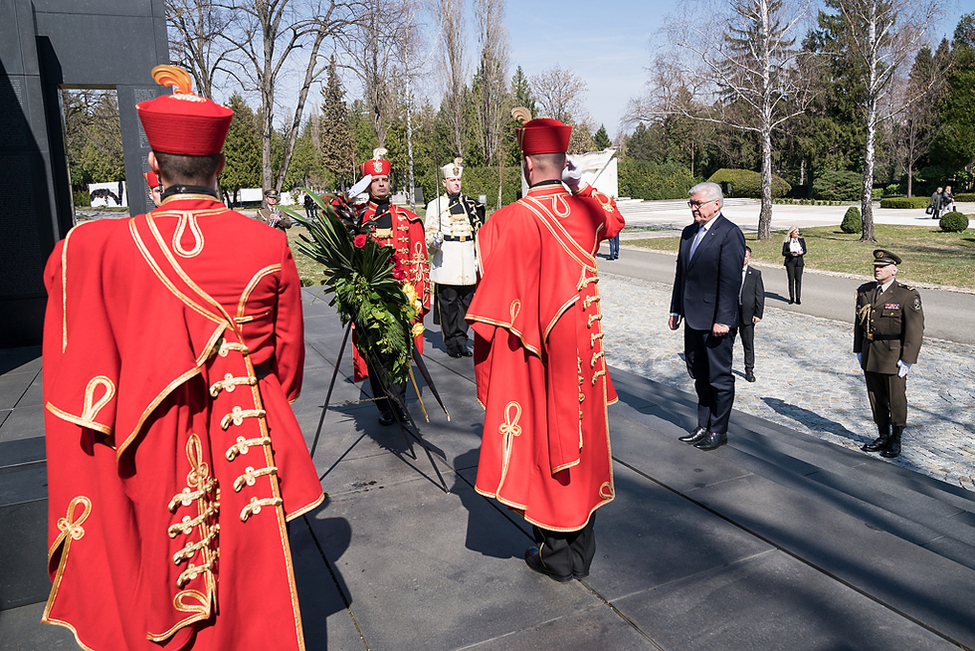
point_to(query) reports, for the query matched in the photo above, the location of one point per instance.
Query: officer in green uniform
(887, 333)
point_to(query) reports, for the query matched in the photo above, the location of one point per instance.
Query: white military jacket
(454, 261)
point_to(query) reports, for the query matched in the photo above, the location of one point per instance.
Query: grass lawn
(929, 255)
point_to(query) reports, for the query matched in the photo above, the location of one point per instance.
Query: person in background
(270, 214)
(309, 207)
(155, 187)
(934, 206)
(751, 308)
(794, 250)
(947, 200)
(451, 225)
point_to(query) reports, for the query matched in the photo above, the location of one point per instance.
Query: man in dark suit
(751, 307)
(705, 296)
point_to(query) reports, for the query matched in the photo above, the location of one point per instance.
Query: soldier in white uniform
(452, 222)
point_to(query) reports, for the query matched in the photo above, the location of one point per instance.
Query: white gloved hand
(359, 187)
(860, 359)
(571, 174)
(902, 368)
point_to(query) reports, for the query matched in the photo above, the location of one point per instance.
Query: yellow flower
(417, 329)
(410, 293)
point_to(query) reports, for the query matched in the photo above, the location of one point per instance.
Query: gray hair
(711, 191)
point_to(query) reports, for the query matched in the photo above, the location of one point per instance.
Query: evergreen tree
(601, 138)
(954, 148)
(242, 149)
(337, 143)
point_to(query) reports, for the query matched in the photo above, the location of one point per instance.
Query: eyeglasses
(697, 204)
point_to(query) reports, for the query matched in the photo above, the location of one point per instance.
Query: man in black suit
(751, 307)
(705, 296)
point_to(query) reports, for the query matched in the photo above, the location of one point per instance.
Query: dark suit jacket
(752, 296)
(706, 287)
(797, 258)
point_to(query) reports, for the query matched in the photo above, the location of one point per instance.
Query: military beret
(882, 258)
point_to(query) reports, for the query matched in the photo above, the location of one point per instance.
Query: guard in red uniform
(538, 356)
(393, 226)
(173, 345)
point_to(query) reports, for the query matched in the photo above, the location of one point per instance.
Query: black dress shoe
(798, 302)
(454, 353)
(713, 441)
(467, 353)
(876, 445)
(694, 436)
(749, 376)
(386, 418)
(791, 301)
(534, 561)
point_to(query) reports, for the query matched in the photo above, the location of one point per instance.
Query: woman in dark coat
(793, 250)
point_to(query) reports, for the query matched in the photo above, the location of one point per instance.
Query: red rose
(398, 273)
(359, 241)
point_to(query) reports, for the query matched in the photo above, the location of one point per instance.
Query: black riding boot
(880, 442)
(893, 444)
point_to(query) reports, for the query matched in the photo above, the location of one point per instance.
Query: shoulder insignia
(916, 305)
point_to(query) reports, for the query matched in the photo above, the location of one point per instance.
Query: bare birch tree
(739, 68)
(877, 37)
(450, 15)
(195, 43)
(559, 93)
(492, 96)
(268, 35)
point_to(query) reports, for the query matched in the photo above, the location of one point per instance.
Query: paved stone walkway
(808, 378)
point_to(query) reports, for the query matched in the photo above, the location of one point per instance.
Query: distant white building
(599, 168)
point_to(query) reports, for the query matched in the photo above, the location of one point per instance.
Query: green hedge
(953, 222)
(640, 179)
(746, 183)
(838, 186)
(905, 202)
(965, 197)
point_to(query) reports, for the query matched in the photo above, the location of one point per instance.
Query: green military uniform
(888, 327)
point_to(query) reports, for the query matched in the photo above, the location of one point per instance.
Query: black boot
(893, 448)
(880, 442)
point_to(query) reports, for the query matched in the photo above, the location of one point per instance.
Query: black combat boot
(880, 442)
(893, 444)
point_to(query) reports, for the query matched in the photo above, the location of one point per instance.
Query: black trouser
(794, 271)
(747, 333)
(709, 360)
(454, 301)
(567, 553)
(888, 399)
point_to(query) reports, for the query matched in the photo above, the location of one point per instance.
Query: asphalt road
(947, 314)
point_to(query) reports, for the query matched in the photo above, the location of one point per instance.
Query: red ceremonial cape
(172, 347)
(538, 357)
(411, 255)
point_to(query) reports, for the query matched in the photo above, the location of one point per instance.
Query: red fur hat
(183, 123)
(377, 166)
(544, 136)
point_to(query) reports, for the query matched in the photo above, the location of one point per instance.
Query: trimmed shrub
(852, 221)
(82, 198)
(953, 222)
(965, 197)
(893, 188)
(641, 179)
(905, 202)
(746, 183)
(838, 186)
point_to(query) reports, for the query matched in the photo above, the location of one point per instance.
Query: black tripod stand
(408, 428)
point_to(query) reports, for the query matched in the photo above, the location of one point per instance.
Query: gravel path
(808, 378)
